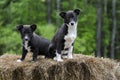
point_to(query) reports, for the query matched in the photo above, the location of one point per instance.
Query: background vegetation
(44, 13)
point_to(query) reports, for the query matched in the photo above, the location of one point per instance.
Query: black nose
(72, 24)
(26, 39)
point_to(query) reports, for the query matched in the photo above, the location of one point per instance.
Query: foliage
(9, 41)
(46, 31)
(15, 12)
(86, 32)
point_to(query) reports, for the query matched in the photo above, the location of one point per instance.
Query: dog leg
(70, 56)
(24, 52)
(35, 53)
(64, 54)
(58, 57)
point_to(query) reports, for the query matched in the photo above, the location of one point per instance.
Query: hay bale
(80, 68)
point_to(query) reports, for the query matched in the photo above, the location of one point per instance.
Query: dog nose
(72, 24)
(26, 39)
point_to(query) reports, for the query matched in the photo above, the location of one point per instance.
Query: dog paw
(65, 56)
(43, 57)
(19, 60)
(70, 57)
(56, 59)
(60, 60)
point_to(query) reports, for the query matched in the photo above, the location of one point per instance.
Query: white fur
(64, 51)
(58, 57)
(68, 52)
(72, 34)
(42, 56)
(26, 46)
(65, 56)
(70, 56)
(19, 60)
(69, 38)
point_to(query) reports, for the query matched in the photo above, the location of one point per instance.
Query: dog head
(70, 17)
(26, 31)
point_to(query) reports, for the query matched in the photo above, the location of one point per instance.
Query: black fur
(70, 15)
(57, 43)
(37, 44)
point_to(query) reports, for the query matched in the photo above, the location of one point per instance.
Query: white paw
(55, 58)
(58, 57)
(65, 56)
(60, 60)
(70, 57)
(43, 57)
(19, 60)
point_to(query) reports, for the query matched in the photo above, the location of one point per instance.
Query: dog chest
(70, 37)
(27, 47)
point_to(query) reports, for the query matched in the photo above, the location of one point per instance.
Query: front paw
(70, 57)
(19, 60)
(58, 59)
(65, 56)
(55, 58)
(43, 57)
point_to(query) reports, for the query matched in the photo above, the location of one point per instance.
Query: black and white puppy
(63, 40)
(32, 42)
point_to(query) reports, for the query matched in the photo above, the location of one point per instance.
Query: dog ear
(19, 28)
(77, 11)
(33, 27)
(62, 14)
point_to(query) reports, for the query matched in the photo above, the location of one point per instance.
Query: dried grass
(80, 68)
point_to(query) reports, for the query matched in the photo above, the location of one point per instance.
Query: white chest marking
(71, 36)
(26, 46)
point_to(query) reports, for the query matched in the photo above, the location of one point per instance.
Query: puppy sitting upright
(62, 42)
(32, 42)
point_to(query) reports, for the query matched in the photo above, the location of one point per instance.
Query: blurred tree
(49, 11)
(58, 11)
(105, 6)
(112, 50)
(117, 39)
(99, 25)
